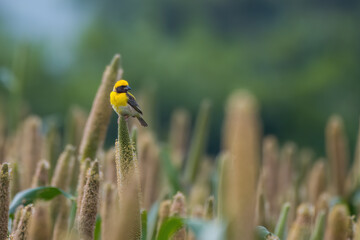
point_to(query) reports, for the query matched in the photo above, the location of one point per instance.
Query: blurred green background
(300, 58)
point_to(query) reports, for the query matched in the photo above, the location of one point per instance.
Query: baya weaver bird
(124, 103)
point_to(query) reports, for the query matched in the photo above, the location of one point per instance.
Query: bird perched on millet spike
(124, 103)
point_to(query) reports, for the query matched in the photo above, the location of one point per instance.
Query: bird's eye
(121, 89)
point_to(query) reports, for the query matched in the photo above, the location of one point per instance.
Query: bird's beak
(127, 88)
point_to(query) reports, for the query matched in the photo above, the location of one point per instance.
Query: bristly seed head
(89, 203)
(4, 199)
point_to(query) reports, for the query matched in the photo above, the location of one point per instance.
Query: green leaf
(169, 227)
(198, 142)
(206, 230)
(152, 220)
(196, 225)
(336, 200)
(281, 224)
(262, 233)
(29, 196)
(97, 231)
(319, 228)
(143, 224)
(72, 214)
(171, 172)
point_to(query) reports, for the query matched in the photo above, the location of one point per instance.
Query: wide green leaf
(206, 230)
(196, 225)
(97, 231)
(29, 196)
(143, 224)
(152, 220)
(169, 227)
(261, 232)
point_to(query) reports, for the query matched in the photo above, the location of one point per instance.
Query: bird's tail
(142, 121)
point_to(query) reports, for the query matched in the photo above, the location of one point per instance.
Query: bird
(124, 103)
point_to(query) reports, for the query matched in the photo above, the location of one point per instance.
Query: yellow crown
(121, 83)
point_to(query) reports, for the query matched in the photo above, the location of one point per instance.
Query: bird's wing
(132, 102)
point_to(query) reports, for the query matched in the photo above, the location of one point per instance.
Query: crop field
(64, 184)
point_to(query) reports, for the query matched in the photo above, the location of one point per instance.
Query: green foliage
(169, 227)
(97, 231)
(31, 195)
(206, 230)
(281, 223)
(319, 229)
(152, 220)
(336, 200)
(223, 165)
(198, 142)
(72, 214)
(143, 224)
(262, 233)
(297, 68)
